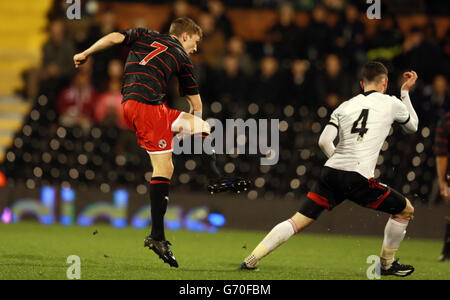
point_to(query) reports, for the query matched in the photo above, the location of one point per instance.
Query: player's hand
(411, 78)
(79, 59)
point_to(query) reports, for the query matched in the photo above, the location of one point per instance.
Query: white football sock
(277, 236)
(394, 233)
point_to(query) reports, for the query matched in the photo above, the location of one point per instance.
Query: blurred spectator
(57, 52)
(107, 24)
(180, 8)
(387, 40)
(268, 85)
(205, 76)
(57, 64)
(425, 57)
(236, 48)
(299, 84)
(334, 5)
(265, 3)
(283, 38)
(304, 4)
(57, 10)
(319, 34)
(76, 103)
(434, 45)
(231, 83)
(223, 23)
(140, 23)
(407, 8)
(350, 35)
(212, 46)
(434, 101)
(108, 109)
(332, 84)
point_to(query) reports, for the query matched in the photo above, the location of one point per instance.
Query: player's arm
(195, 102)
(412, 123)
(327, 138)
(330, 132)
(441, 168)
(104, 43)
(440, 149)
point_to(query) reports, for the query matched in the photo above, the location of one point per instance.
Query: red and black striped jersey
(152, 60)
(441, 139)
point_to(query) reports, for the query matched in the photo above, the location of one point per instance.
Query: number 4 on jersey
(363, 118)
(159, 49)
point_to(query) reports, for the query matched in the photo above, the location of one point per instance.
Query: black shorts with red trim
(335, 186)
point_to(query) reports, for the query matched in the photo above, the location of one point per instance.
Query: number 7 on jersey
(159, 49)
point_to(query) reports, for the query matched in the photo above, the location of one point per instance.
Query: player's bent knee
(409, 208)
(408, 212)
(206, 127)
(301, 221)
(200, 126)
(191, 124)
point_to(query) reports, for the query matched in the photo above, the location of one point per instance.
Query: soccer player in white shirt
(363, 123)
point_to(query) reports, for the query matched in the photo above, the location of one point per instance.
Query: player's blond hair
(185, 24)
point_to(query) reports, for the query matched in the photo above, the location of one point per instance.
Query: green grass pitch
(32, 251)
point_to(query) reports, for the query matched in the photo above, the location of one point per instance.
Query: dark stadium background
(294, 62)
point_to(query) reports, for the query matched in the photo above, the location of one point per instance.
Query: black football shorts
(335, 186)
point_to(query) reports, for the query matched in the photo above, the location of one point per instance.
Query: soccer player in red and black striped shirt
(441, 150)
(153, 59)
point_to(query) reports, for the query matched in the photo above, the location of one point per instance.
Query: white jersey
(364, 123)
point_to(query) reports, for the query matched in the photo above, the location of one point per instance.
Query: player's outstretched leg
(218, 183)
(159, 196)
(277, 236)
(199, 138)
(394, 233)
(233, 184)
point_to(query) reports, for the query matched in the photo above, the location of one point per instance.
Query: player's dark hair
(373, 71)
(184, 24)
